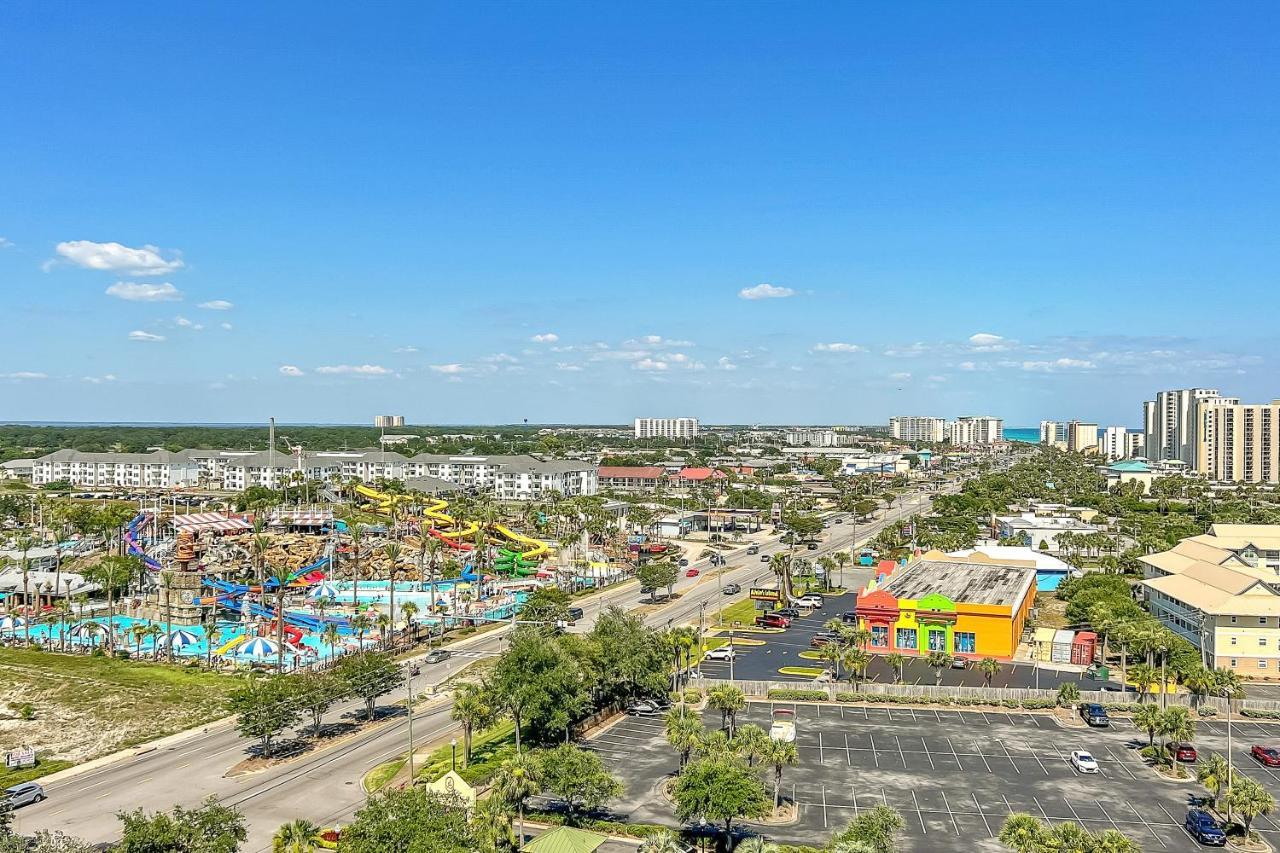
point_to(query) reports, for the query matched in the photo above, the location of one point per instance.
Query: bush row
(1260, 715)
(878, 698)
(608, 827)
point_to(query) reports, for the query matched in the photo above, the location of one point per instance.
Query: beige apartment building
(1082, 437)
(1239, 443)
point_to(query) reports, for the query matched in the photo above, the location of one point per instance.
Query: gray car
(23, 794)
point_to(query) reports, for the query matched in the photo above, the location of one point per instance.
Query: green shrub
(1256, 714)
(1207, 711)
(796, 695)
(692, 695)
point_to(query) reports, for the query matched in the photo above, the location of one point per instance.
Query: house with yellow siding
(970, 607)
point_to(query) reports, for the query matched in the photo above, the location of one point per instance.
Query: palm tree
(472, 710)
(259, 545)
(281, 577)
(842, 558)
(211, 636)
(728, 700)
(408, 610)
(296, 836)
(684, 731)
(990, 668)
(63, 610)
(1211, 772)
(1249, 799)
(856, 662)
(491, 823)
(1144, 676)
(780, 565)
(362, 623)
(897, 660)
(1114, 841)
(383, 621)
(1147, 716)
(329, 635)
(1023, 833)
(1176, 724)
(353, 530)
(515, 782)
(154, 632)
(780, 754)
(166, 580)
(665, 841)
(392, 552)
(832, 654)
(25, 544)
(139, 632)
(1201, 682)
(939, 661)
(751, 743)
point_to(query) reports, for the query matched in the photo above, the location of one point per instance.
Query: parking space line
(1139, 816)
(985, 718)
(853, 792)
(1044, 813)
(1037, 758)
(919, 815)
(927, 754)
(841, 713)
(874, 755)
(947, 803)
(901, 754)
(953, 753)
(889, 711)
(1107, 815)
(819, 746)
(1119, 762)
(936, 717)
(1005, 747)
(985, 822)
(1074, 814)
(978, 751)
(847, 753)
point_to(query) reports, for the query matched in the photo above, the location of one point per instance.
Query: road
(324, 786)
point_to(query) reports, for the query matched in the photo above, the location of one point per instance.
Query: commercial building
(966, 606)
(812, 438)
(387, 421)
(17, 469)
(1130, 471)
(675, 428)
(1040, 531)
(1206, 590)
(1239, 443)
(631, 478)
(918, 428)
(974, 431)
(1082, 437)
(1171, 423)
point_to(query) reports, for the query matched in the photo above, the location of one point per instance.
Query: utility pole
(731, 656)
(411, 727)
(701, 610)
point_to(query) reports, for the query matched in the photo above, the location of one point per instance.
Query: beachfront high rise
(1239, 443)
(1171, 422)
(918, 428)
(666, 427)
(975, 430)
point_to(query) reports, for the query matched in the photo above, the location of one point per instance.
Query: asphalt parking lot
(953, 774)
(761, 663)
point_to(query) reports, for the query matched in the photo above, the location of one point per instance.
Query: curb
(136, 751)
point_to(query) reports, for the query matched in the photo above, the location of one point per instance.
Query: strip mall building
(971, 607)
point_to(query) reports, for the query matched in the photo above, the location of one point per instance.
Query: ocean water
(1030, 436)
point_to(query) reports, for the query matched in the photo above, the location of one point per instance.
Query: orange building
(969, 607)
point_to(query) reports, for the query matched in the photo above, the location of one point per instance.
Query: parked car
(692, 573)
(1094, 715)
(812, 600)
(772, 620)
(684, 561)
(789, 612)
(1203, 828)
(958, 663)
(575, 613)
(1083, 761)
(753, 549)
(437, 655)
(849, 617)
(1183, 752)
(23, 794)
(821, 639)
(812, 546)
(721, 653)
(732, 588)
(1268, 755)
(644, 708)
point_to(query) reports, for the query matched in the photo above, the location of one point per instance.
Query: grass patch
(378, 777)
(1051, 612)
(44, 767)
(88, 706)
(608, 827)
(742, 612)
(805, 671)
(810, 654)
(488, 750)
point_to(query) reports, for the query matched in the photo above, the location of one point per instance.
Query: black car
(1203, 828)
(849, 617)
(732, 588)
(789, 612)
(813, 546)
(1094, 715)
(575, 613)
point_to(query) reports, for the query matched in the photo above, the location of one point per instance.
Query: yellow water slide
(434, 512)
(243, 638)
(537, 552)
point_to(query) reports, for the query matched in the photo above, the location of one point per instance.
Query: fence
(931, 692)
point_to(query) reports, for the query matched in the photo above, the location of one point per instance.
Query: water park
(291, 587)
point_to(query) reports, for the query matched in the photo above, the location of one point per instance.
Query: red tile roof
(701, 474)
(630, 472)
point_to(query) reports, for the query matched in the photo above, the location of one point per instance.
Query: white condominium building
(1239, 443)
(1172, 421)
(972, 431)
(385, 421)
(812, 437)
(1116, 442)
(918, 428)
(1053, 434)
(158, 469)
(666, 427)
(1082, 437)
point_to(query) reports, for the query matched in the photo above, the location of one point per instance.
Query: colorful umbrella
(180, 639)
(260, 647)
(324, 590)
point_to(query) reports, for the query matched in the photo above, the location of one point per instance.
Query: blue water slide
(131, 541)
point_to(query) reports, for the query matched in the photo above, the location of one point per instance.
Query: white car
(1083, 761)
(721, 653)
(814, 601)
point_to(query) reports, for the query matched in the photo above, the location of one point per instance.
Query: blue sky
(490, 212)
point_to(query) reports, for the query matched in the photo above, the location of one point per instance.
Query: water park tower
(180, 602)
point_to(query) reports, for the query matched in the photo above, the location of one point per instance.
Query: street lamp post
(1226, 693)
(410, 682)
(453, 744)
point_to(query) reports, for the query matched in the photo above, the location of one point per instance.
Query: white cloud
(187, 324)
(450, 369)
(406, 350)
(650, 364)
(655, 341)
(146, 337)
(908, 351)
(545, 338)
(838, 347)
(987, 342)
(291, 370)
(98, 380)
(353, 370)
(901, 377)
(500, 358)
(620, 355)
(24, 375)
(765, 291)
(6, 243)
(1057, 364)
(118, 258)
(138, 292)
(569, 368)
(226, 326)
(216, 305)
(725, 364)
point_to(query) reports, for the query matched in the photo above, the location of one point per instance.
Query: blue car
(1205, 829)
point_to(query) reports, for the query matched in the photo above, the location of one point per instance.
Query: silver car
(23, 794)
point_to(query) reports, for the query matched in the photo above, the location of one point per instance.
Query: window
(1262, 620)
(1262, 664)
(906, 638)
(937, 640)
(1262, 641)
(880, 636)
(965, 642)
(1233, 641)
(1233, 620)
(1233, 662)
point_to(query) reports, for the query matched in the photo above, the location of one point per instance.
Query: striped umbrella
(12, 623)
(87, 628)
(259, 647)
(181, 639)
(324, 590)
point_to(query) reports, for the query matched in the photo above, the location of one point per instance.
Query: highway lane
(324, 786)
